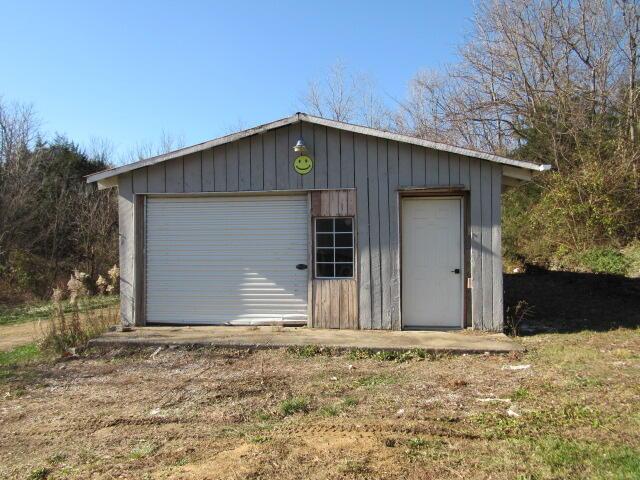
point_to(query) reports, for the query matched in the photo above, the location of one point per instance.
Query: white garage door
(218, 260)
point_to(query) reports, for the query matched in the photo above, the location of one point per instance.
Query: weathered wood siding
(377, 168)
(334, 303)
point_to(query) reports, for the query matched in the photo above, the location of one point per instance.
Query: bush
(605, 260)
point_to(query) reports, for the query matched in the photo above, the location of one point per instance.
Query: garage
(307, 220)
(219, 260)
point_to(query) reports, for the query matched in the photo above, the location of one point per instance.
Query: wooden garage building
(353, 228)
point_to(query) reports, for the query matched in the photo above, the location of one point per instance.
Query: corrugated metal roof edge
(297, 117)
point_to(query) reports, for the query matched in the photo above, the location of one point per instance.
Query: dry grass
(277, 414)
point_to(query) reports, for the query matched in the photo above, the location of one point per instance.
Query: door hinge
(469, 282)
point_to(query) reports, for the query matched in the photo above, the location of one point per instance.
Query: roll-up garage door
(232, 259)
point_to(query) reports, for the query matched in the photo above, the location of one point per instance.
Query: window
(334, 247)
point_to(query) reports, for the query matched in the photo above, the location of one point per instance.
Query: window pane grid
(334, 248)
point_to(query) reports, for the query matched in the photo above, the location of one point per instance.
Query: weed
(40, 473)
(294, 405)
(65, 332)
(515, 315)
(143, 449)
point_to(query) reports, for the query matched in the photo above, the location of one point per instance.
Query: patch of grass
(329, 411)
(498, 425)
(564, 458)
(519, 394)
(418, 442)
(20, 355)
(40, 473)
(294, 405)
(349, 402)
(375, 380)
(143, 449)
(42, 310)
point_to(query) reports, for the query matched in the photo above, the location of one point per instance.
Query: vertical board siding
(432, 167)
(320, 148)
(418, 166)
(394, 235)
(295, 179)
(220, 168)
(376, 168)
(156, 178)
(385, 252)
(208, 182)
(443, 168)
(404, 165)
(244, 164)
(269, 159)
(487, 239)
(232, 166)
(193, 173)
(347, 168)
(282, 158)
(140, 180)
(333, 158)
(475, 224)
(308, 180)
(374, 234)
(362, 221)
(174, 175)
(257, 163)
(496, 246)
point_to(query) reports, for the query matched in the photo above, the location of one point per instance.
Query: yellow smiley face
(303, 164)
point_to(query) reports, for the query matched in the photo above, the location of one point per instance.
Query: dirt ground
(568, 408)
(14, 335)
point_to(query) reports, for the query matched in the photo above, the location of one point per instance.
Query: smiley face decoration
(303, 164)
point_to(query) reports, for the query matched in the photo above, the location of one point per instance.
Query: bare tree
(167, 142)
(346, 97)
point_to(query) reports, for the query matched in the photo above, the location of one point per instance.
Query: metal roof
(304, 117)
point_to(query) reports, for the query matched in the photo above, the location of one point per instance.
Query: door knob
(301, 266)
(456, 271)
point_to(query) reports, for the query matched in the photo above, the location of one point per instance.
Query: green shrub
(605, 260)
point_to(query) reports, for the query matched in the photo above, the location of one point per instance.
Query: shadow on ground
(567, 302)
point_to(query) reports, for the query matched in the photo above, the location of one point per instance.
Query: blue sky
(127, 71)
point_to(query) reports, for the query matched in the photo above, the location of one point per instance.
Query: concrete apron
(278, 337)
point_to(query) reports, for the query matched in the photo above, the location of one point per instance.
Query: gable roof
(300, 117)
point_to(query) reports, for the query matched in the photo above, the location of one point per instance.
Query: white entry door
(231, 259)
(432, 263)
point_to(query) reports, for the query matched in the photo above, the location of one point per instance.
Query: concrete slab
(279, 337)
